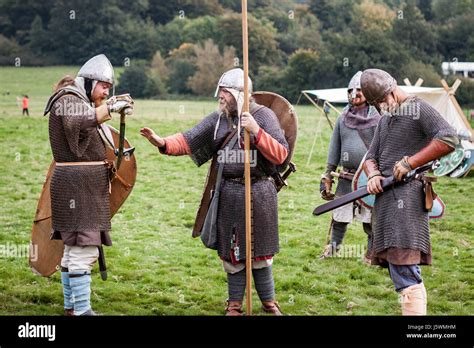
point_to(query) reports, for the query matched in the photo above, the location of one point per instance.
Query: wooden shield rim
(291, 112)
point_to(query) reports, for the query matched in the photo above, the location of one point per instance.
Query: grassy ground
(156, 268)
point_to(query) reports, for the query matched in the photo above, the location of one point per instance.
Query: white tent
(441, 98)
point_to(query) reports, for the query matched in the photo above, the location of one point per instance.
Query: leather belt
(241, 180)
(91, 163)
(347, 170)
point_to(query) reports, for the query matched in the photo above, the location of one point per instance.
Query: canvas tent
(441, 98)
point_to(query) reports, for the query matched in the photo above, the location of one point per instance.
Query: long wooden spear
(248, 183)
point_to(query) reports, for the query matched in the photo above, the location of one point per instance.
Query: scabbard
(102, 264)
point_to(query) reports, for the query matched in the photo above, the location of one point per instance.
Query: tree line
(182, 47)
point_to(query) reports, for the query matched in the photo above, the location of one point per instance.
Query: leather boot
(89, 313)
(329, 251)
(69, 312)
(272, 307)
(413, 300)
(233, 309)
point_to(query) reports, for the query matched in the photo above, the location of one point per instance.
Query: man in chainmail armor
(269, 149)
(352, 135)
(410, 134)
(80, 180)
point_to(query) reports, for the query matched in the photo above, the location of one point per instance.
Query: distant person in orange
(26, 102)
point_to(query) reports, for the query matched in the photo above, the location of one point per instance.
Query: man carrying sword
(269, 149)
(352, 135)
(80, 181)
(410, 134)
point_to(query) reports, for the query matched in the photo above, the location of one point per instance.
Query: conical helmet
(376, 84)
(233, 79)
(98, 68)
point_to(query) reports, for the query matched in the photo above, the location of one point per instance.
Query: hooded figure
(350, 140)
(80, 180)
(269, 149)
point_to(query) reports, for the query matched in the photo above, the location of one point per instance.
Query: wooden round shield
(450, 162)
(45, 254)
(285, 113)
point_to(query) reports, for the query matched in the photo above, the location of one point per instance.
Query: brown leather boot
(69, 312)
(233, 309)
(272, 307)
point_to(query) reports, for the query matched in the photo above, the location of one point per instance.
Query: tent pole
(298, 101)
(319, 108)
(455, 102)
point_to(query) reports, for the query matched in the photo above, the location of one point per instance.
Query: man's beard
(229, 110)
(99, 101)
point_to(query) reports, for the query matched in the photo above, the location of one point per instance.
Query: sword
(387, 184)
(280, 180)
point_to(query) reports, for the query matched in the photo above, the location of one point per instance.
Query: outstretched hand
(152, 137)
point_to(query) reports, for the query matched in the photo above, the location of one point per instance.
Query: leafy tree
(371, 16)
(180, 71)
(38, 38)
(418, 36)
(262, 39)
(181, 67)
(16, 17)
(9, 49)
(333, 14)
(301, 72)
(445, 10)
(210, 64)
(253, 5)
(414, 69)
(426, 8)
(133, 80)
(271, 78)
(455, 39)
(302, 31)
(200, 29)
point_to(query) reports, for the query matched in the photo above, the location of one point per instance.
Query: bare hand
(399, 171)
(374, 185)
(249, 123)
(325, 189)
(152, 137)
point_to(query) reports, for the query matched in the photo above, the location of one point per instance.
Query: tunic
(401, 231)
(79, 194)
(231, 212)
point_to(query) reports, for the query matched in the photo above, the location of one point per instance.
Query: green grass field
(156, 268)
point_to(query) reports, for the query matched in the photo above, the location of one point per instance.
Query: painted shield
(285, 113)
(45, 254)
(465, 167)
(360, 180)
(437, 211)
(450, 162)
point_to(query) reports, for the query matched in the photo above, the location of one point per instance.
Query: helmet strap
(88, 87)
